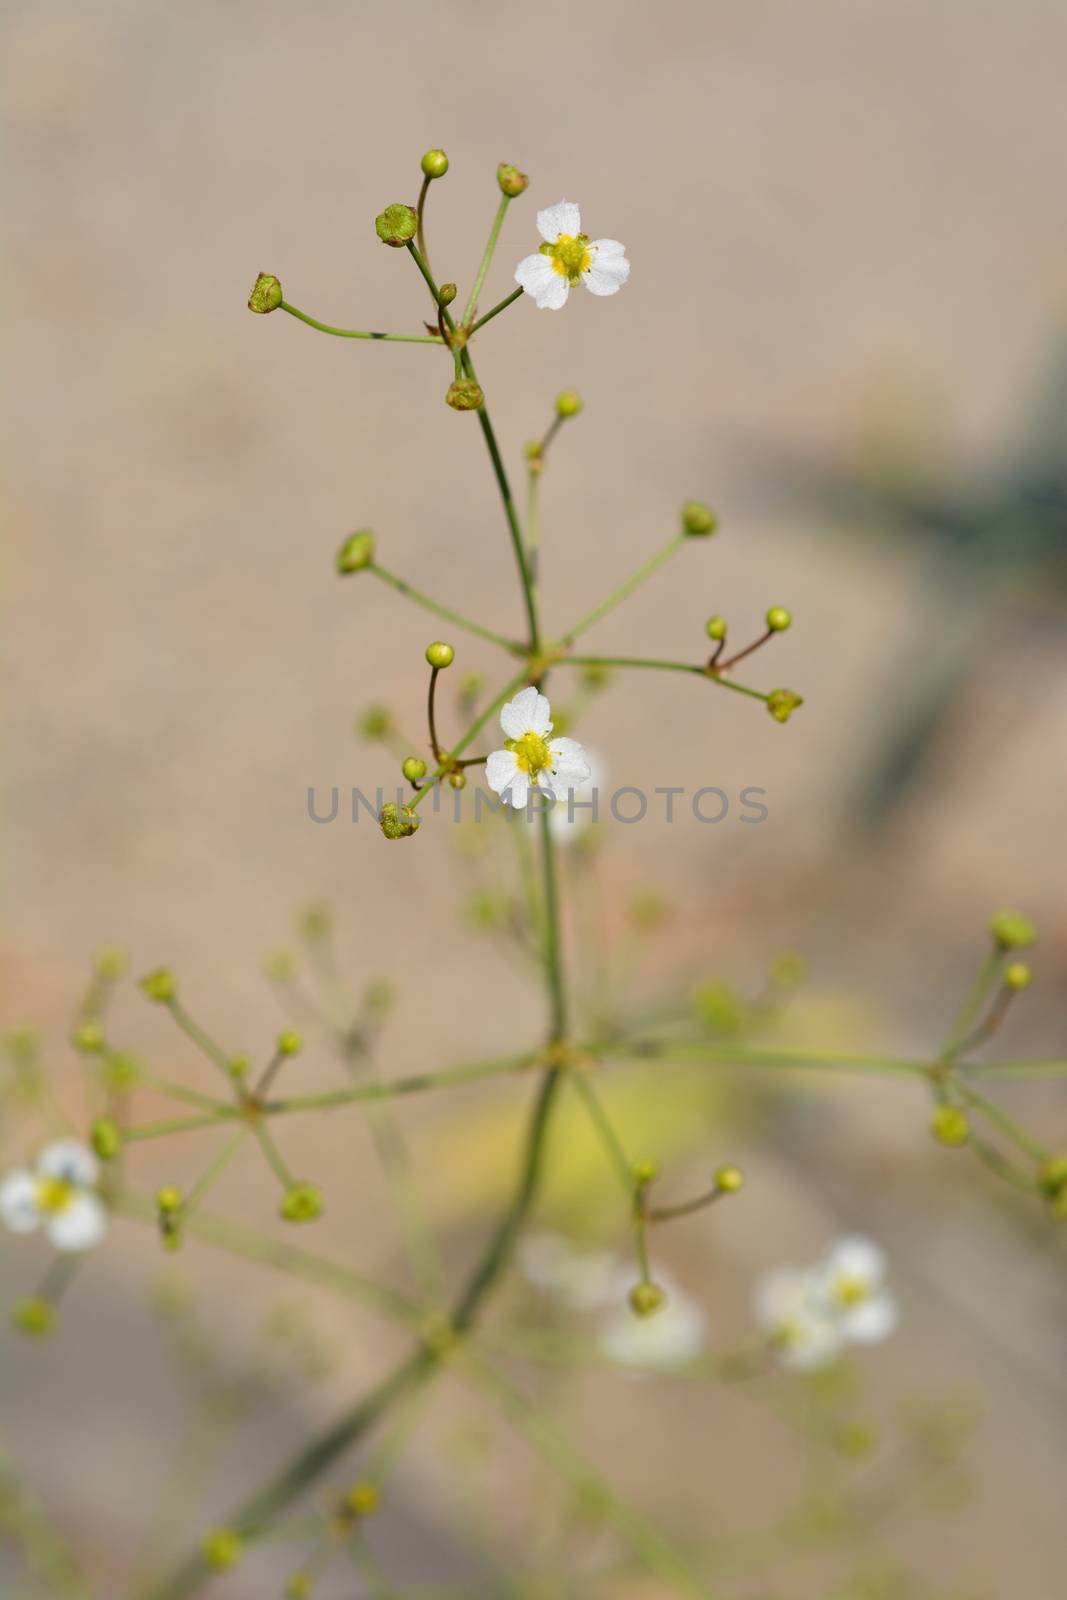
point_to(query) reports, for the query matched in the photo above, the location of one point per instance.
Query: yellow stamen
(531, 753)
(851, 1291)
(54, 1194)
(570, 255)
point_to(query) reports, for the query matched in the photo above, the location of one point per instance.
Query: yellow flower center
(531, 753)
(571, 255)
(54, 1194)
(851, 1291)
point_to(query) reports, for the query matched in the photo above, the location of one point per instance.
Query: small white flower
(556, 766)
(851, 1286)
(582, 1279)
(568, 257)
(803, 1333)
(58, 1195)
(669, 1338)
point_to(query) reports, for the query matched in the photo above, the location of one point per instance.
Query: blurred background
(846, 328)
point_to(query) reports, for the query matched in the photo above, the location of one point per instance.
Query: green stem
(999, 1119)
(405, 588)
(213, 1173)
(605, 1131)
(158, 1130)
(391, 1088)
(435, 292)
(494, 234)
(973, 1002)
(420, 211)
(753, 1056)
(502, 305)
(1017, 1069)
(659, 666)
(627, 588)
(354, 333)
(273, 1156)
(509, 510)
(203, 1040)
(533, 532)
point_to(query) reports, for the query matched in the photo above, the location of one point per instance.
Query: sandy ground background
(846, 225)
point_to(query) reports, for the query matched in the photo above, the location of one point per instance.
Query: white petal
(871, 1321)
(18, 1202)
(553, 296)
(780, 1295)
(607, 247)
(519, 790)
(535, 273)
(70, 1161)
(500, 770)
(570, 764)
(669, 1338)
(555, 220)
(529, 712)
(79, 1225)
(858, 1258)
(814, 1342)
(606, 274)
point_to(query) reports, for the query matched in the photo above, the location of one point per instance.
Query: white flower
(850, 1285)
(568, 257)
(583, 1279)
(58, 1195)
(802, 1332)
(555, 766)
(670, 1337)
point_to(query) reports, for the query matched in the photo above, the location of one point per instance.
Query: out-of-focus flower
(802, 1332)
(568, 257)
(555, 766)
(582, 1279)
(58, 1194)
(573, 816)
(669, 1338)
(851, 1285)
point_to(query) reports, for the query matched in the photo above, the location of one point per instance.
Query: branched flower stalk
(73, 1187)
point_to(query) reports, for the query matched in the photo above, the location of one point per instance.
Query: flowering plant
(644, 1321)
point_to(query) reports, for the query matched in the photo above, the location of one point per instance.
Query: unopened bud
(779, 619)
(35, 1317)
(646, 1299)
(160, 985)
(88, 1037)
(439, 654)
(698, 519)
(302, 1203)
(447, 293)
(105, 1136)
(168, 1200)
(715, 628)
(511, 180)
(223, 1549)
(464, 395)
(434, 163)
(781, 703)
(568, 403)
(289, 1043)
(729, 1179)
(363, 1499)
(396, 225)
(398, 822)
(357, 552)
(414, 769)
(266, 294)
(1012, 930)
(950, 1126)
(375, 723)
(1018, 976)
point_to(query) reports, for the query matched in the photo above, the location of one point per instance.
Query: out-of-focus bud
(160, 985)
(1012, 930)
(434, 163)
(302, 1203)
(1052, 1177)
(1018, 976)
(781, 703)
(414, 769)
(779, 619)
(511, 180)
(645, 1172)
(357, 552)
(646, 1299)
(35, 1317)
(105, 1136)
(168, 1200)
(88, 1037)
(729, 1179)
(396, 225)
(375, 723)
(398, 822)
(594, 676)
(110, 963)
(266, 294)
(223, 1549)
(363, 1499)
(289, 1043)
(316, 923)
(950, 1126)
(568, 403)
(464, 395)
(698, 519)
(440, 654)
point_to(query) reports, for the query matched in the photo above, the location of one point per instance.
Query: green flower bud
(950, 1126)
(88, 1037)
(302, 1203)
(120, 1071)
(458, 779)
(779, 619)
(398, 822)
(396, 225)
(1018, 976)
(719, 1007)
(1012, 930)
(568, 403)
(698, 519)
(594, 676)
(645, 1171)
(729, 1179)
(1052, 1176)
(646, 1299)
(34, 1317)
(110, 963)
(511, 180)
(440, 655)
(715, 628)
(472, 685)
(160, 985)
(464, 395)
(375, 723)
(168, 1200)
(299, 1586)
(223, 1549)
(105, 1136)
(781, 703)
(315, 923)
(289, 1043)
(356, 553)
(414, 769)
(239, 1067)
(487, 910)
(266, 294)
(434, 163)
(363, 1499)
